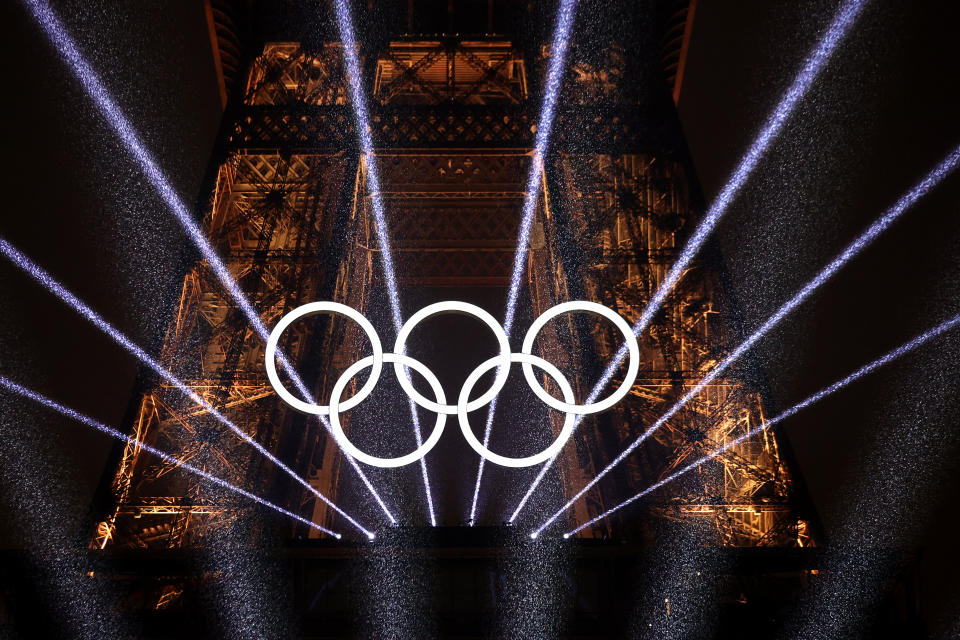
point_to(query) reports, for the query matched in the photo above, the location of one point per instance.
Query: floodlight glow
(558, 54)
(816, 397)
(859, 244)
(79, 417)
(815, 62)
(50, 284)
(812, 68)
(551, 93)
(61, 39)
(362, 126)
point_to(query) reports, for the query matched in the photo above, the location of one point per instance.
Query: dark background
(878, 459)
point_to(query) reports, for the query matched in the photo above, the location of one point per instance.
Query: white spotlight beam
(64, 43)
(558, 54)
(362, 125)
(50, 284)
(823, 393)
(90, 422)
(813, 66)
(853, 249)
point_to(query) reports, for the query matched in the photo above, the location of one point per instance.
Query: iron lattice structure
(626, 215)
(614, 222)
(453, 121)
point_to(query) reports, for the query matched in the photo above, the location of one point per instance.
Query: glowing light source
(859, 244)
(97, 92)
(79, 417)
(558, 54)
(816, 397)
(362, 126)
(61, 292)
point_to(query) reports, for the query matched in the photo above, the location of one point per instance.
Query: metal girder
(272, 243)
(410, 76)
(627, 213)
(442, 126)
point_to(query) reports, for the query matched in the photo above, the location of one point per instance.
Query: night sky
(880, 455)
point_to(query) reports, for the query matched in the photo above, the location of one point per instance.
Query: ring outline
(505, 461)
(586, 307)
(461, 308)
(350, 448)
(312, 309)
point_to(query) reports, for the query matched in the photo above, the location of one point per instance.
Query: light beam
(362, 126)
(815, 62)
(50, 284)
(110, 431)
(64, 43)
(816, 397)
(859, 244)
(558, 54)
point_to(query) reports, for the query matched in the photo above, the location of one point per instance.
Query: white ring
(310, 309)
(464, 308)
(462, 409)
(589, 307)
(349, 447)
(464, 405)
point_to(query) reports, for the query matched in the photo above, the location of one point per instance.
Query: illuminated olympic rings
(464, 405)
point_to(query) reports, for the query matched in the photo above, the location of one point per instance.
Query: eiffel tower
(454, 94)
